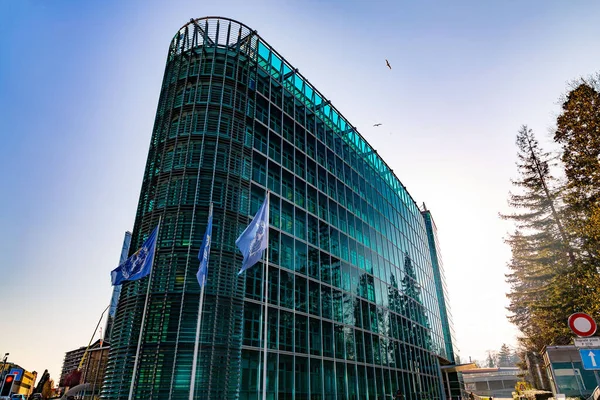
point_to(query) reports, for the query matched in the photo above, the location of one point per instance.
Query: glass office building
(440, 283)
(355, 309)
(453, 381)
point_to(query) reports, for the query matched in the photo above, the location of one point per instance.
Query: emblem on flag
(138, 265)
(255, 238)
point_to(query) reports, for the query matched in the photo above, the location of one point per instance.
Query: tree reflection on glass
(415, 327)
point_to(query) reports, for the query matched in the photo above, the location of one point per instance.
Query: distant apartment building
(92, 368)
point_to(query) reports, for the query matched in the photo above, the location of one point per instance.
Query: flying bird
(388, 64)
(377, 124)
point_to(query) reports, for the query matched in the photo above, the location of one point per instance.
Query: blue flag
(138, 265)
(255, 238)
(205, 251)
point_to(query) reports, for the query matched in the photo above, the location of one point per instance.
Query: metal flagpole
(198, 325)
(139, 345)
(91, 339)
(266, 298)
(260, 335)
(98, 366)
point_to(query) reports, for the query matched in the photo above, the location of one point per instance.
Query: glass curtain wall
(353, 306)
(441, 287)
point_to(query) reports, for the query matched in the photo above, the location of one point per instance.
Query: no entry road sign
(582, 324)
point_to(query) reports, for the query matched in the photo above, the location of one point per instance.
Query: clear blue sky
(79, 84)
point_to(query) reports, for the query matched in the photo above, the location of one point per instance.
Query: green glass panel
(308, 92)
(318, 99)
(263, 51)
(275, 62)
(299, 83)
(286, 69)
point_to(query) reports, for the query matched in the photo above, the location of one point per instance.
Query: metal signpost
(584, 326)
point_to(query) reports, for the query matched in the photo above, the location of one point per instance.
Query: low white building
(497, 382)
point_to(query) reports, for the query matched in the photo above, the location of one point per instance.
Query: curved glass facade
(354, 311)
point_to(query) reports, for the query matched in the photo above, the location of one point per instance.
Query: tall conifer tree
(505, 356)
(578, 131)
(540, 245)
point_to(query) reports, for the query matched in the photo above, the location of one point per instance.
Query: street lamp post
(3, 365)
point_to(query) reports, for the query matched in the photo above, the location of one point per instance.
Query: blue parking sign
(590, 358)
(18, 372)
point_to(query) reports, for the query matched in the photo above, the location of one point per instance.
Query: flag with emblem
(255, 238)
(138, 265)
(205, 250)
